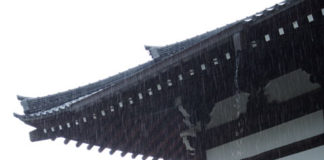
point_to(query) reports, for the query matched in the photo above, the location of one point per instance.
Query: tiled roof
(180, 46)
(36, 105)
(48, 103)
(157, 52)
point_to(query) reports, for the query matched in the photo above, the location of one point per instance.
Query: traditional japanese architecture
(250, 90)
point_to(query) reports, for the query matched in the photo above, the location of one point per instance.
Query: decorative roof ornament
(153, 51)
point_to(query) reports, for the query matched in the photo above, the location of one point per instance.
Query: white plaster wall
(295, 130)
(289, 86)
(228, 109)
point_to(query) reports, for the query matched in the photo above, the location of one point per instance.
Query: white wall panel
(292, 131)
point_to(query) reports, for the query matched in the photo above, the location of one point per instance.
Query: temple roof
(167, 50)
(64, 99)
(60, 101)
(222, 83)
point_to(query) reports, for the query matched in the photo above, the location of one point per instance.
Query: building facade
(247, 91)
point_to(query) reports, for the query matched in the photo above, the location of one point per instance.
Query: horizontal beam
(38, 135)
(290, 149)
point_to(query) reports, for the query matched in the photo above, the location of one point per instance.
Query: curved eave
(29, 118)
(19, 97)
(216, 34)
(33, 105)
(237, 25)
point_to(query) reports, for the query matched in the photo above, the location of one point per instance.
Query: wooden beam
(136, 148)
(91, 126)
(134, 155)
(78, 132)
(144, 157)
(112, 151)
(155, 140)
(265, 117)
(101, 148)
(38, 135)
(168, 138)
(123, 154)
(104, 140)
(290, 149)
(117, 137)
(135, 144)
(177, 146)
(177, 151)
(89, 147)
(130, 141)
(66, 141)
(78, 144)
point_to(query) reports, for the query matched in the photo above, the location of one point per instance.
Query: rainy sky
(51, 46)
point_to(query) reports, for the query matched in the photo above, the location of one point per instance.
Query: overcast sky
(51, 46)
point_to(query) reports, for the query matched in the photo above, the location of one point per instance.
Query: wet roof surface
(43, 104)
